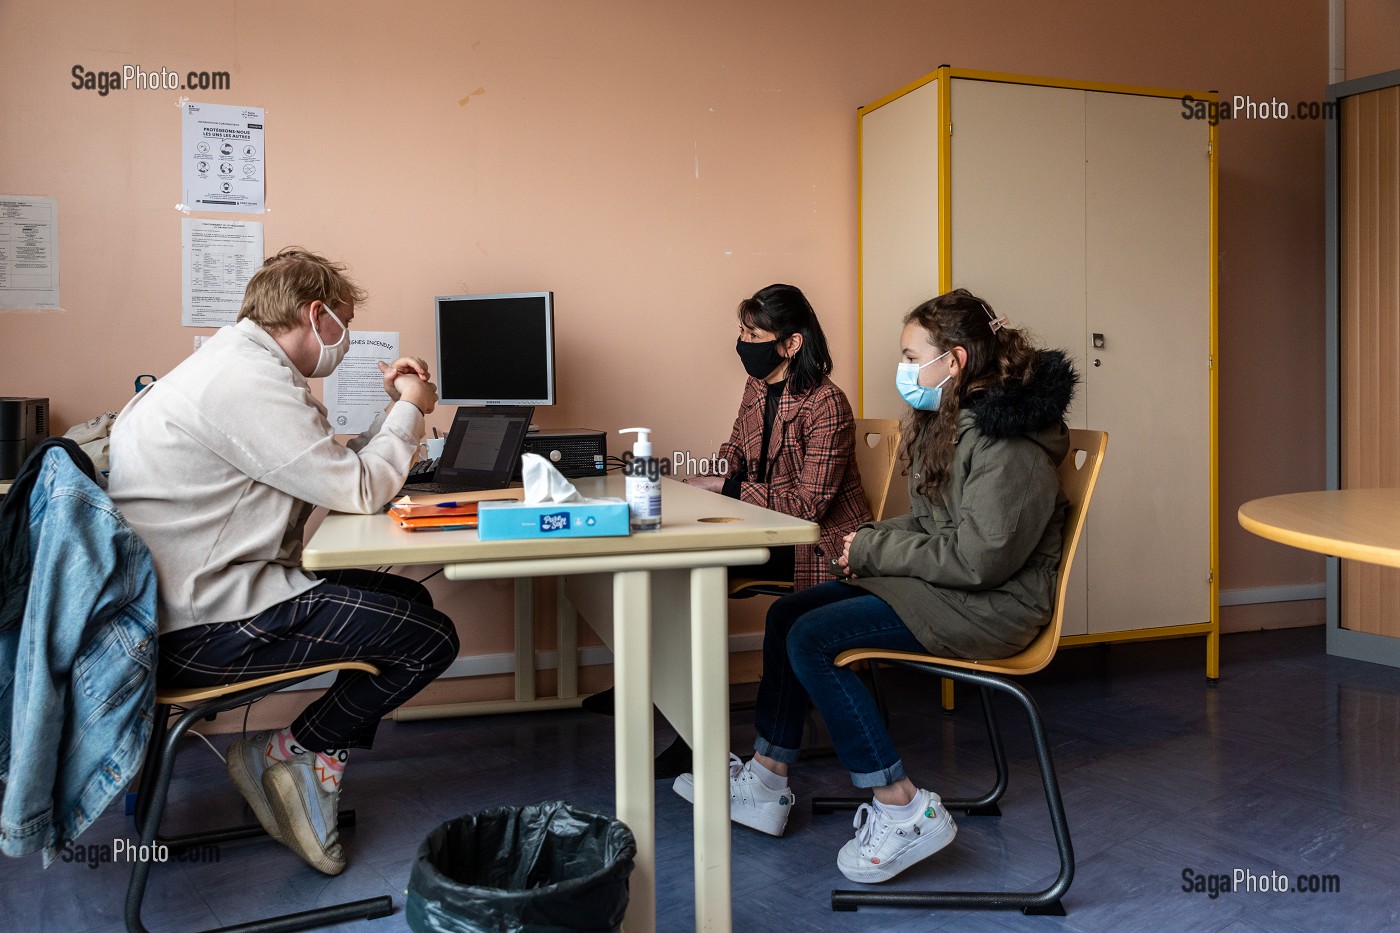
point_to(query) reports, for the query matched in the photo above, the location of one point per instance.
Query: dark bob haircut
(783, 310)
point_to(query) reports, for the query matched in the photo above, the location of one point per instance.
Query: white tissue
(543, 483)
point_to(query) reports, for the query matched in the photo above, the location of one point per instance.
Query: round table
(1359, 524)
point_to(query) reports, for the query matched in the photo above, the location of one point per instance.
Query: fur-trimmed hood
(1028, 408)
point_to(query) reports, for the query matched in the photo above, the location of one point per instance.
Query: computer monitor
(496, 349)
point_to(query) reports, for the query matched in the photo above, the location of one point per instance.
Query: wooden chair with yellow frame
(1078, 474)
(203, 703)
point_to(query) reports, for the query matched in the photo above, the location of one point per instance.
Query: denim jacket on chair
(77, 667)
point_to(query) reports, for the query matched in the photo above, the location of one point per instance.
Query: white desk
(675, 575)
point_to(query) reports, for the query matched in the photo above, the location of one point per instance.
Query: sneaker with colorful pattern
(883, 848)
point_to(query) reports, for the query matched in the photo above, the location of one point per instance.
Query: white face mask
(331, 354)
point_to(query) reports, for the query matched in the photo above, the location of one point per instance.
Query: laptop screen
(483, 445)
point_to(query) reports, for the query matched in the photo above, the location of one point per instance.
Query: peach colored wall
(1372, 37)
(650, 161)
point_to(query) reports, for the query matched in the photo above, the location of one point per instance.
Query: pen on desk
(435, 434)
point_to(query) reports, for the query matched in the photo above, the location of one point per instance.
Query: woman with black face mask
(792, 450)
(793, 444)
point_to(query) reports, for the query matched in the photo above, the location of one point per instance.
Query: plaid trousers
(360, 615)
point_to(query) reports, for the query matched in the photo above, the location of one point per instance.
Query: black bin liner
(536, 869)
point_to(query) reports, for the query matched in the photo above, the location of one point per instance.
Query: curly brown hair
(996, 354)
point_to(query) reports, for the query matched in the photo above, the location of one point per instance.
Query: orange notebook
(440, 516)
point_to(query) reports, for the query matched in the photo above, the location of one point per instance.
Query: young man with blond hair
(217, 466)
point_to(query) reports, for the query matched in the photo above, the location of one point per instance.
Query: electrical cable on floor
(201, 735)
(216, 752)
(431, 575)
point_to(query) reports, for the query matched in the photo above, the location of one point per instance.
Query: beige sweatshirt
(218, 465)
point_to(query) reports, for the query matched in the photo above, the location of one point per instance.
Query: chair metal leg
(1046, 901)
(878, 691)
(984, 805)
(159, 767)
(151, 763)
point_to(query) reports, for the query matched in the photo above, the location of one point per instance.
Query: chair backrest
(1078, 474)
(877, 453)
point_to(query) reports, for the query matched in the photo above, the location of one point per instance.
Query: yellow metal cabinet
(1085, 213)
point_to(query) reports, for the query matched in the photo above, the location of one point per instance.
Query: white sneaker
(308, 815)
(883, 848)
(247, 760)
(751, 803)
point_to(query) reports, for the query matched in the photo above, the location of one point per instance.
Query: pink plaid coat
(812, 468)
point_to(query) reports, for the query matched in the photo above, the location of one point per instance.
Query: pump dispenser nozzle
(642, 447)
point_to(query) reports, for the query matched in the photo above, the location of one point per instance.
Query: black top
(770, 414)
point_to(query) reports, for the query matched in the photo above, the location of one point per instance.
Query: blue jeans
(803, 635)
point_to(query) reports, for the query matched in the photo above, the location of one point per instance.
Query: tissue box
(592, 518)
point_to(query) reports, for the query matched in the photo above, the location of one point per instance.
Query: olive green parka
(972, 568)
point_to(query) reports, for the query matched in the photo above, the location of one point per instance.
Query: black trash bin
(536, 869)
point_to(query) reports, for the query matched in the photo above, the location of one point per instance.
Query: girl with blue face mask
(969, 572)
(909, 374)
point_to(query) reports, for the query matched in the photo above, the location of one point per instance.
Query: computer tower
(24, 422)
(575, 452)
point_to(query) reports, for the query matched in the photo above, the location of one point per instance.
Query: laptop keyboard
(419, 481)
(422, 471)
(428, 489)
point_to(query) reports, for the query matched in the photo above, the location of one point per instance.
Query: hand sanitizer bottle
(643, 483)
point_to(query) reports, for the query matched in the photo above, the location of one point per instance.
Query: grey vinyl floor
(1288, 769)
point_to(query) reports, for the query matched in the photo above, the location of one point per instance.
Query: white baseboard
(486, 665)
(1273, 594)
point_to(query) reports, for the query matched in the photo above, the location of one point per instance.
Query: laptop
(482, 451)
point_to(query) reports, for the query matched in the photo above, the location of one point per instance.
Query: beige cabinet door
(1074, 213)
(1018, 227)
(1079, 213)
(898, 235)
(1148, 293)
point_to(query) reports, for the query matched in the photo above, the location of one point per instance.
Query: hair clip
(994, 322)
